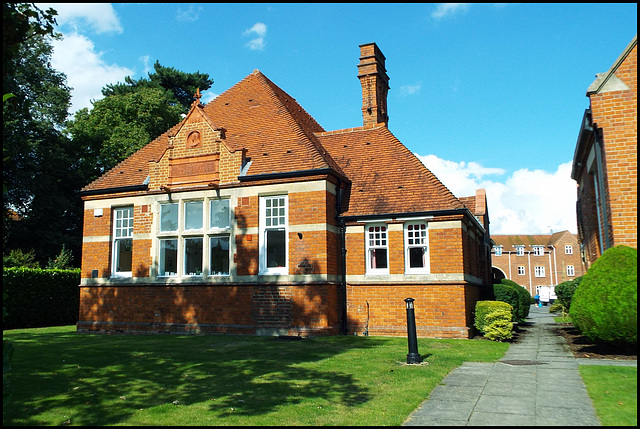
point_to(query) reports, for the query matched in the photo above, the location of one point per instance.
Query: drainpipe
(555, 262)
(343, 259)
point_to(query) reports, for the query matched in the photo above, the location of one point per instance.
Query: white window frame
(519, 250)
(497, 250)
(413, 241)
(375, 240)
(539, 271)
(538, 250)
(206, 232)
(571, 271)
(122, 231)
(568, 249)
(521, 270)
(267, 223)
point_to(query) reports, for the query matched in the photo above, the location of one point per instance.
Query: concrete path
(536, 383)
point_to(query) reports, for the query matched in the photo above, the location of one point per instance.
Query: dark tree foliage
(177, 85)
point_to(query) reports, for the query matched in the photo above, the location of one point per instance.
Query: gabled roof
(527, 240)
(386, 177)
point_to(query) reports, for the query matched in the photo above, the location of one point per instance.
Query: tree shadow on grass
(106, 379)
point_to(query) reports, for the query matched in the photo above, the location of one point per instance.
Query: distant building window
(416, 236)
(568, 249)
(497, 250)
(377, 249)
(519, 250)
(571, 271)
(521, 270)
(538, 250)
(539, 271)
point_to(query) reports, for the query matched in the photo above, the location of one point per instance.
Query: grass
(60, 377)
(614, 391)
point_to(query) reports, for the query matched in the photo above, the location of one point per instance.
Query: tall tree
(179, 86)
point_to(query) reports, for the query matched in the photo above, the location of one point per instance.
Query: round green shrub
(524, 299)
(484, 308)
(498, 325)
(566, 290)
(605, 306)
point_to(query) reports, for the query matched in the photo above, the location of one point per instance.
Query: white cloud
(260, 31)
(86, 72)
(533, 202)
(189, 15)
(410, 89)
(96, 17)
(444, 10)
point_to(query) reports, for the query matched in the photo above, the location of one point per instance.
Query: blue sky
(486, 95)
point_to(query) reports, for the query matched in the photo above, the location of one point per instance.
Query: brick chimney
(375, 85)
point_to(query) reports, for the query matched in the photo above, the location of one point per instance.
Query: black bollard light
(413, 356)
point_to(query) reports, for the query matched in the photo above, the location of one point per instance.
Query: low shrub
(566, 290)
(557, 307)
(605, 306)
(508, 293)
(498, 325)
(484, 308)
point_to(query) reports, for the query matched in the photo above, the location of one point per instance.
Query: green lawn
(60, 377)
(614, 391)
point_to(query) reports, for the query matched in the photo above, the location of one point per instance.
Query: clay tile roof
(258, 116)
(386, 177)
(527, 240)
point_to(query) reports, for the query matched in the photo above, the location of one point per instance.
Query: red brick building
(248, 217)
(605, 162)
(533, 261)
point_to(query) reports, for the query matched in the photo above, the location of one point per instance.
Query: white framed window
(497, 250)
(377, 248)
(571, 270)
(521, 270)
(416, 243)
(274, 233)
(122, 241)
(186, 247)
(519, 250)
(539, 271)
(538, 250)
(568, 249)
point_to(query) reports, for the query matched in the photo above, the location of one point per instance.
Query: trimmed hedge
(524, 299)
(36, 297)
(566, 290)
(605, 306)
(508, 293)
(498, 325)
(484, 308)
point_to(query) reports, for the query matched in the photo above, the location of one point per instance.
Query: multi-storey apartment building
(534, 261)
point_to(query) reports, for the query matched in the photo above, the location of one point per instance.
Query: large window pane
(219, 214)
(417, 257)
(168, 257)
(378, 258)
(123, 253)
(193, 215)
(169, 217)
(193, 256)
(275, 248)
(219, 255)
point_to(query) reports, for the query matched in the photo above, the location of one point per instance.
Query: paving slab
(536, 383)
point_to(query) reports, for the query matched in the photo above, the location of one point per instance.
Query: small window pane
(193, 215)
(378, 258)
(219, 253)
(168, 217)
(219, 216)
(275, 248)
(193, 256)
